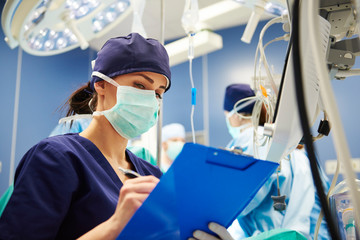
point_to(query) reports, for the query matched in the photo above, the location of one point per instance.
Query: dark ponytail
(78, 102)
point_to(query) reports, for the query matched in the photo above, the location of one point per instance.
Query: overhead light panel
(204, 42)
(218, 12)
(51, 27)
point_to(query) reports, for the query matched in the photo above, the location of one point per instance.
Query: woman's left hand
(220, 231)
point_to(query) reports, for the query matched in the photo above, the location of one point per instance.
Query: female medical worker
(67, 186)
(295, 180)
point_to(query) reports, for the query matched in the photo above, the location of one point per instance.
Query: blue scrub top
(295, 181)
(63, 188)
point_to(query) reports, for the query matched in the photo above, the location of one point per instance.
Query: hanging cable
(284, 37)
(304, 120)
(321, 215)
(190, 20)
(260, 51)
(16, 114)
(265, 99)
(329, 101)
(193, 89)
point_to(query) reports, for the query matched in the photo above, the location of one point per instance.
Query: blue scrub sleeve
(264, 194)
(44, 184)
(302, 195)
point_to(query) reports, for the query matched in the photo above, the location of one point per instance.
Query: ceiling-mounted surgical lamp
(49, 27)
(260, 7)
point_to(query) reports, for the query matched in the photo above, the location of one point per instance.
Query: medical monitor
(286, 131)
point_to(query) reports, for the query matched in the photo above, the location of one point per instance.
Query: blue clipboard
(203, 185)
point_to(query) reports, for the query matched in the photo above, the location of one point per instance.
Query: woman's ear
(100, 87)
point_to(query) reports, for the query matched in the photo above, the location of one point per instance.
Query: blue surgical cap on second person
(236, 92)
(130, 54)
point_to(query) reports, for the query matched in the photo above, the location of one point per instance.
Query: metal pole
(159, 125)
(205, 99)
(15, 120)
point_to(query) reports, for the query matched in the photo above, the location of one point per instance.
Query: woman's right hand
(132, 194)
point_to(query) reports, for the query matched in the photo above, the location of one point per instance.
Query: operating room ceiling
(173, 12)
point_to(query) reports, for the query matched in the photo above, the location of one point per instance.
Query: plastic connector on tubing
(286, 23)
(193, 96)
(191, 46)
(285, 18)
(286, 37)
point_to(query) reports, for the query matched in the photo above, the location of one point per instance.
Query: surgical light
(260, 7)
(276, 8)
(50, 27)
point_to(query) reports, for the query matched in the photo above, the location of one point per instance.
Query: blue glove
(220, 231)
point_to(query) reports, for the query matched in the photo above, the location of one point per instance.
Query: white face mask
(235, 131)
(174, 149)
(135, 111)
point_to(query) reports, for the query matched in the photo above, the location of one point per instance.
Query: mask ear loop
(106, 78)
(89, 104)
(94, 113)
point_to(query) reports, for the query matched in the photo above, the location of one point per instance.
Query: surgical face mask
(235, 131)
(174, 148)
(135, 111)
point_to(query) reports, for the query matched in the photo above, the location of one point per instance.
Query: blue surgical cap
(236, 92)
(129, 54)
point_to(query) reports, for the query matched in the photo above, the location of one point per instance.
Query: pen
(129, 173)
